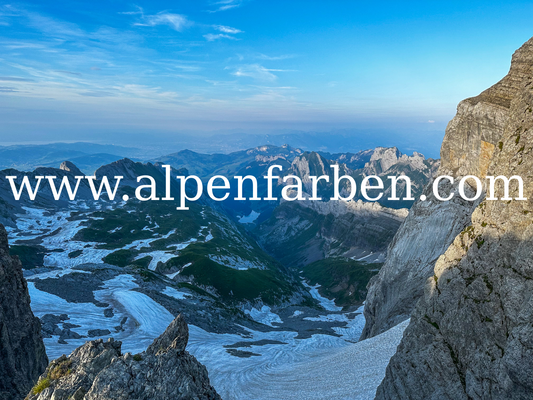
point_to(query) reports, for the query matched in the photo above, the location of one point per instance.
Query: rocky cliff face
(99, 371)
(471, 139)
(425, 234)
(22, 353)
(299, 233)
(470, 336)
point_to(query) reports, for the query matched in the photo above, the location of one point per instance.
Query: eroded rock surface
(472, 138)
(471, 334)
(22, 353)
(99, 371)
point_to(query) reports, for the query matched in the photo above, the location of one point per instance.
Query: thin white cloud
(257, 71)
(14, 79)
(228, 7)
(53, 27)
(227, 29)
(177, 22)
(68, 72)
(143, 91)
(211, 37)
(224, 5)
(275, 58)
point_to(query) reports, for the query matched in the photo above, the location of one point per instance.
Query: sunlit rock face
(22, 353)
(471, 142)
(471, 334)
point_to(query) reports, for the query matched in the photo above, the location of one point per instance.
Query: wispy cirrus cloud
(275, 58)
(227, 29)
(257, 71)
(96, 94)
(224, 5)
(14, 79)
(177, 22)
(214, 36)
(67, 72)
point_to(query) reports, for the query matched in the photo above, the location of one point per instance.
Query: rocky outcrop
(471, 140)
(70, 167)
(385, 158)
(99, 371)
(470, 336)
(22, 353)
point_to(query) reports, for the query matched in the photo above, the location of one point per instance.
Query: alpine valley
(264, 286)
(275, 299)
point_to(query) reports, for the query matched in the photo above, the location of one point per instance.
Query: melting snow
(324, 302)
(249, 218)
(321, 367)
(265, 316)
(146, 318)
(169, 291)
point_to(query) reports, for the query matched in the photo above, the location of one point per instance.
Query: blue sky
(110, 70)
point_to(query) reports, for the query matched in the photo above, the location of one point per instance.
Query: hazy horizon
(128, 73)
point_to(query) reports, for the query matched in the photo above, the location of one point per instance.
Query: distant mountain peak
(70, 167)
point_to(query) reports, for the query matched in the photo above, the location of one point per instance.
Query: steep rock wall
(471, 140)
(471, 334)
(22, 353)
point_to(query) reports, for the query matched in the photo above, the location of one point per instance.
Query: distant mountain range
(86, 156)
(89, 156)
(262, 237)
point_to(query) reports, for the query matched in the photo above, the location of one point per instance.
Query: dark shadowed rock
(98, 332)
(22, 353)
(99, 371)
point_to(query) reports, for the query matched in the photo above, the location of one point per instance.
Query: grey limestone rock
(70, 167)
(99, 371)
(471, 334)
(471, 140)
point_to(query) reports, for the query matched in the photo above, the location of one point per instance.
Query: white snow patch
(321, 367)
(236, 262)
(173, 275)
(249, 218)
(324, 302)
(139, 244)
(296, 313)
(265, 316)
(146, 318)
(329, 318)
(177, 294)
(181, 246)
(157, 256)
